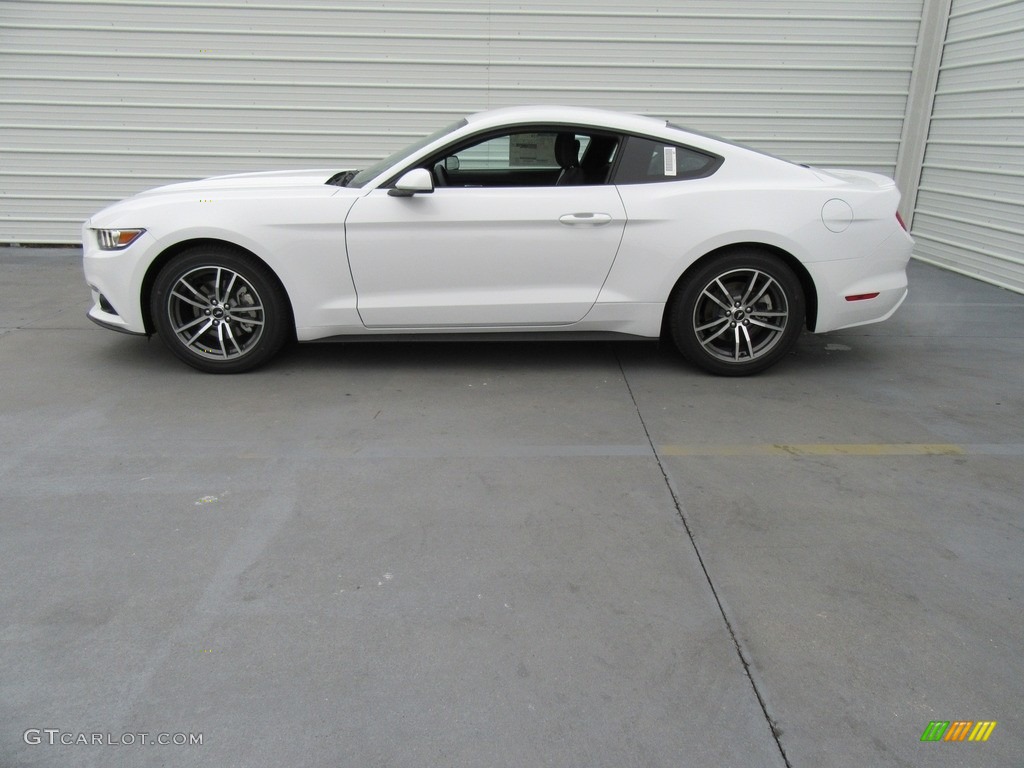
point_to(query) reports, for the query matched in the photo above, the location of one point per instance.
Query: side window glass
(521, 151)
(648, 160)
(539, 157)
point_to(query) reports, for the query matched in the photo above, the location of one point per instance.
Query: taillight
(900, 220)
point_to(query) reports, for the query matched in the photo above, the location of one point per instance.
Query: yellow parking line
(816, 449)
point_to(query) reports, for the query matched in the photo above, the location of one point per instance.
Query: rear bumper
(883, 273)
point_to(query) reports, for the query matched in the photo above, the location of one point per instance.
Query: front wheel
(219, 311)
(739, 314)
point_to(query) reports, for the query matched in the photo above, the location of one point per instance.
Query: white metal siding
(102, 99)
(969, 215)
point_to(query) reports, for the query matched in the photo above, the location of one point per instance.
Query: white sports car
(550, 222)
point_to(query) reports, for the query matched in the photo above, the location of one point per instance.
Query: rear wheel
(739, 314)
(219, 311)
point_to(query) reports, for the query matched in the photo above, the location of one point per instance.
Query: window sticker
(670, 161)
(532, 150)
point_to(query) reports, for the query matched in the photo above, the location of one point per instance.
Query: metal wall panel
(101, 99)
(969, 214)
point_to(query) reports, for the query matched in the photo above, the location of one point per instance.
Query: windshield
(380, 166)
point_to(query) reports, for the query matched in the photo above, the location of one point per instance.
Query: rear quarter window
(646, 161)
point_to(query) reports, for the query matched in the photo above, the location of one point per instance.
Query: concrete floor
(554, 554)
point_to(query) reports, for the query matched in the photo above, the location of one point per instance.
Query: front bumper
(115, 278)
(101, 312)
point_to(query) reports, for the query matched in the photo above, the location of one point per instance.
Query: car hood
(266, 186)
(248, 182)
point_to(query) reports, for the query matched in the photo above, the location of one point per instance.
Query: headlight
(116, 239)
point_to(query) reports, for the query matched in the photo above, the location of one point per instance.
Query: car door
(488, 255)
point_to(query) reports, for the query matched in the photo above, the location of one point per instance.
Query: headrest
(567, 150)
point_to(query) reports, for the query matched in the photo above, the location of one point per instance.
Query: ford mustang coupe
(547, 222)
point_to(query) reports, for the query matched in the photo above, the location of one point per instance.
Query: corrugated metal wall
(102, 99)
(969, 214)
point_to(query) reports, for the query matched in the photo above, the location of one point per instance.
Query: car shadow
(411, 356)
(824, 355)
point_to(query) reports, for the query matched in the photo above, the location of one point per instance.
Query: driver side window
(525, 158)
(517, 151)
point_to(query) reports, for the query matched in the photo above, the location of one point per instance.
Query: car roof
(623, 122)
(620, 121)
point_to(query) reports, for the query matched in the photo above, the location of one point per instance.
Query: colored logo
(959, 730)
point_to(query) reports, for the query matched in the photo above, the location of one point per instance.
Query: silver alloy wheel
(216, 313)
(741, 315)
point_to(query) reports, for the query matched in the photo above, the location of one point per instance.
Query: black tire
(219, 310)
(738, 314)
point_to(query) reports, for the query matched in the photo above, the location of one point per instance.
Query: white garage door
(102, 99)
(969, 214)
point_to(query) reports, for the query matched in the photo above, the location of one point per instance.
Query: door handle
(585, 219)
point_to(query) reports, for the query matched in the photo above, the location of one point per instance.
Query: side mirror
(416, 181)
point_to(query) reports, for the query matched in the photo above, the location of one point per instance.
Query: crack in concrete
(772, 725)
